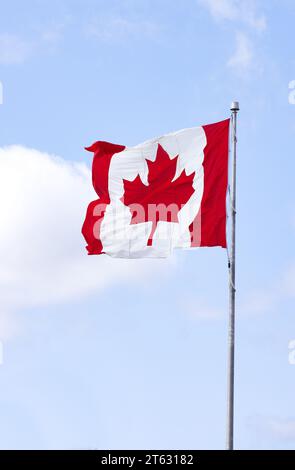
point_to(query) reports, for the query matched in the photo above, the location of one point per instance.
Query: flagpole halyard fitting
(232, 289)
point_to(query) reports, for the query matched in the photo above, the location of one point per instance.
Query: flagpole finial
(235, 106)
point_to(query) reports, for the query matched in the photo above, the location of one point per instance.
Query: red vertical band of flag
(213, 206)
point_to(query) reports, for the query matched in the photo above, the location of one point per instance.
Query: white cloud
(43, 200)
(117, 28)
(242, 59)
(244, 11)
(13, 49)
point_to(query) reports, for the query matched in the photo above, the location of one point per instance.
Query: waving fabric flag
(166, 193)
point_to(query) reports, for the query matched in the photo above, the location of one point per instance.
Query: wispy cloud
(9, 326)
(221, 9)
(198, 308)
(244, 15)
(274, 427)
(14, 49)
(242, 58)
(267, 299)
(50, 35)
(289, 281)
(260, 301)
(282, 428)
(117, 28)
(243, 11)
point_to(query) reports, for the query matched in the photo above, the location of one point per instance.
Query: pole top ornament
(235, 106)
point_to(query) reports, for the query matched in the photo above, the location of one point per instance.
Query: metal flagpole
(232, 289)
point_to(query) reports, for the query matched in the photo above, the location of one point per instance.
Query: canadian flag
(166, 193)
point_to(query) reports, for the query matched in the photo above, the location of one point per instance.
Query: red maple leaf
(162, 198)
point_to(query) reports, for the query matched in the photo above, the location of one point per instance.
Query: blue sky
(104, 353)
